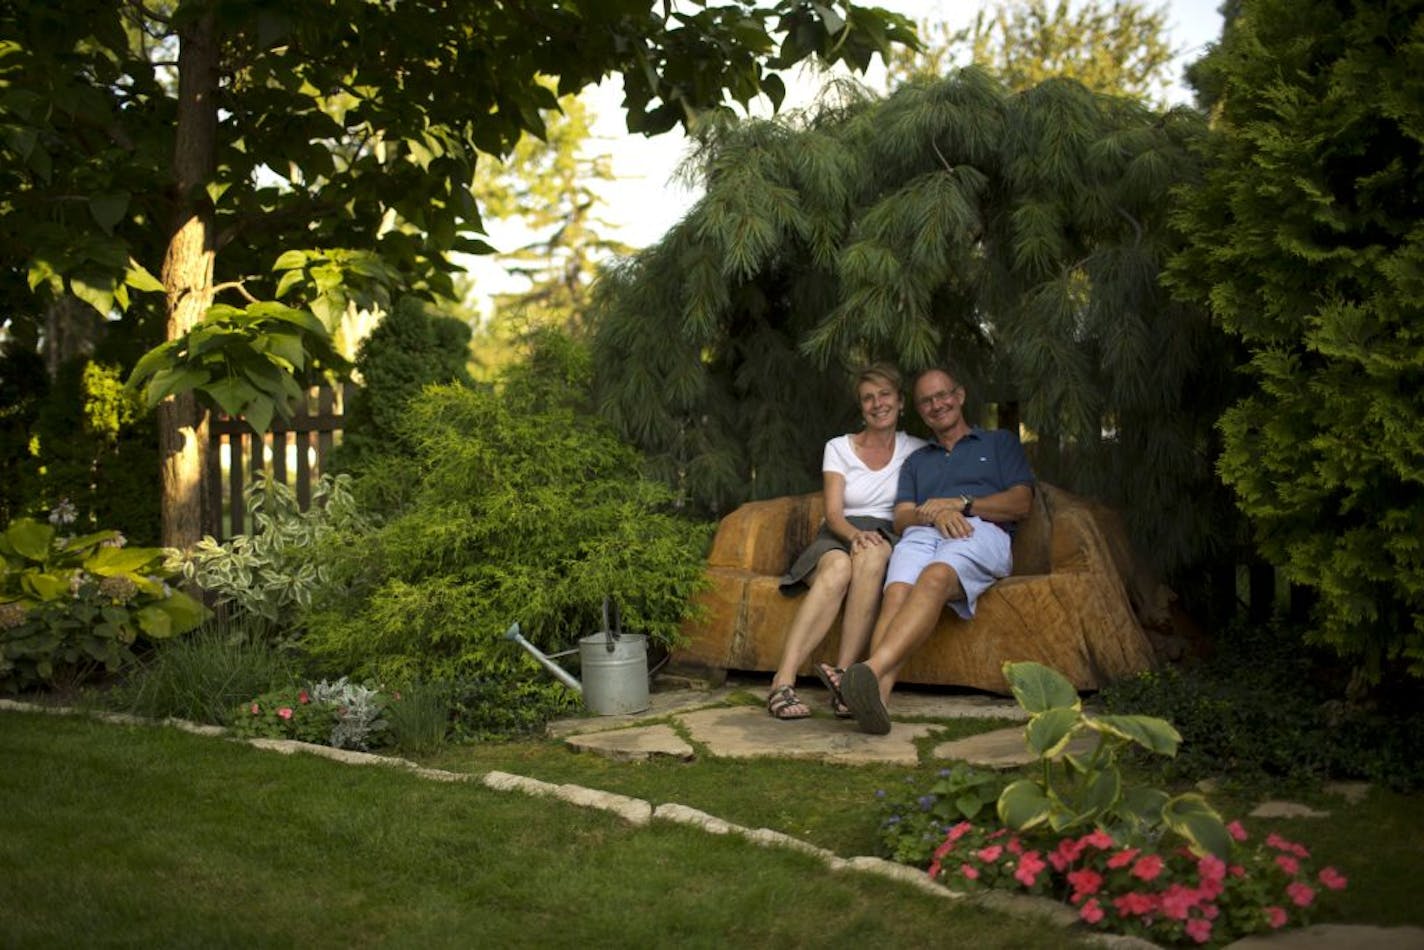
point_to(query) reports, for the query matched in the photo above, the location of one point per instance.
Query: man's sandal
(861, 689)
(830, 676)
(783, 703)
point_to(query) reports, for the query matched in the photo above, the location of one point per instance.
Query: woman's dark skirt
(794, 580)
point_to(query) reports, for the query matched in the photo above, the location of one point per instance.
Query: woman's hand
(866, 539)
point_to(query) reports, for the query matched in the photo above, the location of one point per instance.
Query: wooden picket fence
(294, 453)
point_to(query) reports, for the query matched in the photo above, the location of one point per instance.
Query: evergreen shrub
(521, 506)
(412, 347)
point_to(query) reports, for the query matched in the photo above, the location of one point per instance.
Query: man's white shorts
(978, 560)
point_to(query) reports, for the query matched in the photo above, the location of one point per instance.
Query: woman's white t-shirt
(868, 492)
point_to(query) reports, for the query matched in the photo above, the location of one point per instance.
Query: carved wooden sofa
(1069, 603)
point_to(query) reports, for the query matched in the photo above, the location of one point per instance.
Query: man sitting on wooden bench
(955, 509)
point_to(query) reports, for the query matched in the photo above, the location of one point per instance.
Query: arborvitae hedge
(1306, 236)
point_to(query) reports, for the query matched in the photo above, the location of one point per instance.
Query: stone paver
(661, 705)
(748, 732)
(1286, 810)
(639, 742)
(1335, 937)
(1352, 792)
(1002, 749)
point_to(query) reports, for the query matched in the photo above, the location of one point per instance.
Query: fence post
(246, 456)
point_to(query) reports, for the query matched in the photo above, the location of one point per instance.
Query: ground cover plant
(234, 846)
(1263, 708)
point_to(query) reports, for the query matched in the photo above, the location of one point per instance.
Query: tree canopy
(1305, 237)
(1018, 235)
(263, 150)
(1119, 47)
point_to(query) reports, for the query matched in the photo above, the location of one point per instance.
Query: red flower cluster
(1173, 896)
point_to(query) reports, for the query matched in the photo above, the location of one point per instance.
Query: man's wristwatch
(968, 508)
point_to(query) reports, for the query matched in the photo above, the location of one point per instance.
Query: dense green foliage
(1262, 709)
(79, 438)
(514, 505)
(264, 580)
(1019, 235)
(410, 348)
(1304, 235)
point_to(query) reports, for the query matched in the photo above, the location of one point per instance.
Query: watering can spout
(563, 675)
(614, 666)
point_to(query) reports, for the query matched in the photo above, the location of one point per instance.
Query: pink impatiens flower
(1199, 929)
(1099, 839)
(1134, 903)
(285, 712)
(1085, 882)
(969, 871)
(1236, 830)
(1302, 894)
(1148, 867)
(256, 710)
(1333, 879)
(1177, 901)
(1288, 864)
(989, 854)
(304, 697)
(1092, 911)
(1276, 917)
(1123, 858)
(1030, 864)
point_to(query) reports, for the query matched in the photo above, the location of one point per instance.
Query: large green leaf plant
(76, 603)
(1073, 792)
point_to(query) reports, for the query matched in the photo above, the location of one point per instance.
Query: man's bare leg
(912, 624)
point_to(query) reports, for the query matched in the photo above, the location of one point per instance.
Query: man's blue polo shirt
(982, 462)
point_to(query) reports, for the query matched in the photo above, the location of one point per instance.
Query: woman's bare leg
(862, 601)
(815, 615)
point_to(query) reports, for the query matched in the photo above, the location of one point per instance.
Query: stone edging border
(635, 811)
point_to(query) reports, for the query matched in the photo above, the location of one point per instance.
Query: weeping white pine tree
(1018, 236)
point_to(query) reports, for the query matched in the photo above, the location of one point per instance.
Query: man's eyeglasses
(944, 395)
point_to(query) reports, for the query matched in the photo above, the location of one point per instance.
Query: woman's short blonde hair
(879, 372)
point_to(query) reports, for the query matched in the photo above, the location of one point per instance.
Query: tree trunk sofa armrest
(1067, 605)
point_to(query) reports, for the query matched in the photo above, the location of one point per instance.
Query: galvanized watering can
(614, 665)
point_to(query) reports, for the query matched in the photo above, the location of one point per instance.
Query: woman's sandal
(831, 677)
(783, 703)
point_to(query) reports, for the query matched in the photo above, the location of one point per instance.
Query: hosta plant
(1068, 792)
(78, 603)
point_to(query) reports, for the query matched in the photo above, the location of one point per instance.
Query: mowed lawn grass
(145, 836)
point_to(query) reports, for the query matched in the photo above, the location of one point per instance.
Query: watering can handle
(610, 628)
